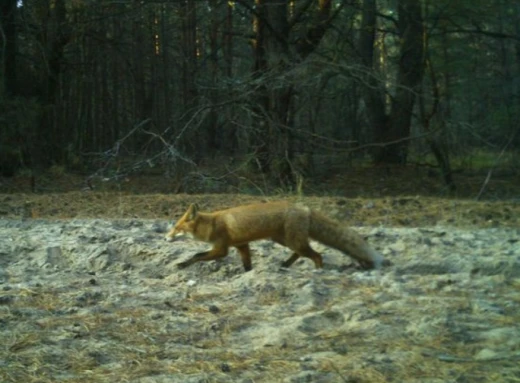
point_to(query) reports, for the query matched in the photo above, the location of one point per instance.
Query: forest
(201, 92)
(399, 120)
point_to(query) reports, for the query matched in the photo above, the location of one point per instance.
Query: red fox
(288, 224)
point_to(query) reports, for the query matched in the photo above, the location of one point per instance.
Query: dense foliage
(274, 83)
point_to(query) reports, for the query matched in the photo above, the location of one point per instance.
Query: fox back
(238, 225)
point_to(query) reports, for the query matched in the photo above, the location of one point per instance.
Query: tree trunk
(189, 68)
(410, 71)
(11, 139)
(231, 143)
(189, 50)
(273, 139)
(392, 130)
(49, 145)
(214, 140)
(261, 124)
(373, 94)
(8, 49)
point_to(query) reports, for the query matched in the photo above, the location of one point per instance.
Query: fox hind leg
(308, 252)
(293, 258)
(301, 248)
(305, 251)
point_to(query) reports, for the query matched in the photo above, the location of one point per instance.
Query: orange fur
(291, 225)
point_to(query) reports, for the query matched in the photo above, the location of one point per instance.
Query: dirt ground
(91, 292)
(102, 300)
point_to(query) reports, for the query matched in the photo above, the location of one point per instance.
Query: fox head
(185, 224)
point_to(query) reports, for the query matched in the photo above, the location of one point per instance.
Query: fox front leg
(192, 260)
(210, 255)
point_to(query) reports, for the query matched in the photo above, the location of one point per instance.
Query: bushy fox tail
(344, 239)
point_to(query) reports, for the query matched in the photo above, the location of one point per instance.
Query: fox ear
(192, 211)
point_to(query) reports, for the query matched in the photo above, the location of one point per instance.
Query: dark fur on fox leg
(192, 260)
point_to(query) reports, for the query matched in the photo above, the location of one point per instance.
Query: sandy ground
(101, 300)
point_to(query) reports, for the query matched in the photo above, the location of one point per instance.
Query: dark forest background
(285, 89)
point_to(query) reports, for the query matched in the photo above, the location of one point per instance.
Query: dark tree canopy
(281, 86)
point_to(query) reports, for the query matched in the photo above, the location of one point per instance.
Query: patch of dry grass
(73, 334)
(388, 211)
(122, 344)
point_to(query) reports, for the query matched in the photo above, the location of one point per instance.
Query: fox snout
(174, 234)
(171, 236)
